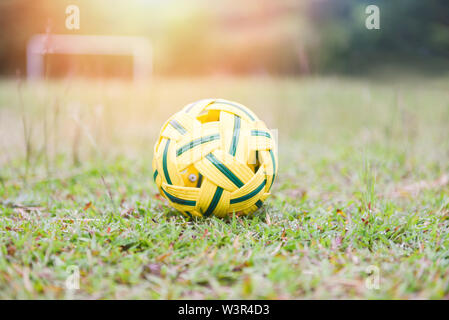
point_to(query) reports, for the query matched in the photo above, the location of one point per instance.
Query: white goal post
(137, 47)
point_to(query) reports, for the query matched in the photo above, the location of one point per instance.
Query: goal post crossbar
(41, 44)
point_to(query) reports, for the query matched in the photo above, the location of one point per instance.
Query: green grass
(362, 186)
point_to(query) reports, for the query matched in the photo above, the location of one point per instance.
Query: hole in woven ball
(254, 161)
(191, 177)
(209, 116)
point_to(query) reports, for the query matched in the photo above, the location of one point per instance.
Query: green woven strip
(214, 202)
(179, 200)
(155, 175)
(200, 179)
(197, 142)
(235, 136)
(236, 106)
(249, 195)
(260, 133)
(178, 127)
(259, 203)
(223, 169)
(164, 163)
(257, 166)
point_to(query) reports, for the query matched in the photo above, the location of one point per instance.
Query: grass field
(360, 208)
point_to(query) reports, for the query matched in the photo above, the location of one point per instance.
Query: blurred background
(256, 37)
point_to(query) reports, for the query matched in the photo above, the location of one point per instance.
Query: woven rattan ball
(215, 157)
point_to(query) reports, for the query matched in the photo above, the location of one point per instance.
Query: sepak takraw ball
(215, 157)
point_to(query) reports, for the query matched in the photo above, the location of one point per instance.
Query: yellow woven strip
(200, 151)
(243, 146)
(192, 156)
(167, 130)
(239, 206)
(223, 205)
(207, 169)
(186, 193)
(187, 121)
(264, 196)
(182, 194)
(267, 164)
(195, 108)
(205, 196)
(171, 133)
(208, 128)
(200, 131)
(252, 184)
(229, 109)
(170, 165)
(240, 169)
(233, 107)
(260, 143)
(226, 129)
